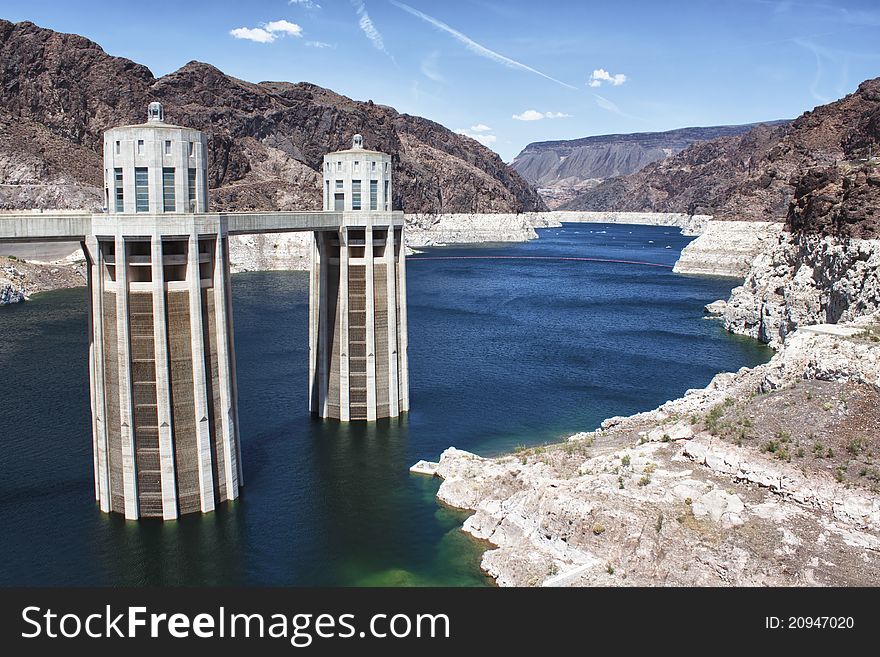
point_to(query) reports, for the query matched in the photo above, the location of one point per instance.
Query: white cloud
(535, 115)
(529, 115)
(367, 26)
(285, 27)
(480, 127)
(267, 33)
(305, 4)
(600, 75)
(320, 44)
(485, 140)
(257, 34)
(472, 45)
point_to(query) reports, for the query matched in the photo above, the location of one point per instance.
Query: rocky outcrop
(727, 248)
(562, 169)
(437, 230)
(752, 176)
(840, 201)
(805, 279)
(19, 279)
(11, 285)
(270, 252)
(59, 92)
(715, 488)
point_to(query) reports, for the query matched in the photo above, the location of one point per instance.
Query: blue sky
(511, 72)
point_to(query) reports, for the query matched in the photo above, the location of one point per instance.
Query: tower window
(385, 195)
(339, 166)
(373, 166)
(141, 190)
(118, 192)
(327, 196)
(192, 149)
(118, 148)
(167, 147)
(374, 194)
(355, 194)
(386, 167)
(168, 204)
(338, 185)
(357, 165)
(140, 150)
(191, 188)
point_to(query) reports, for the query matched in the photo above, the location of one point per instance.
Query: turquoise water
(502, 352)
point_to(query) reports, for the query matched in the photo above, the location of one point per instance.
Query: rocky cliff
(842, 201)
(825, 268)
(727, 248)
(753, 176)
(805, 279)
(562, 169)
(59, 92)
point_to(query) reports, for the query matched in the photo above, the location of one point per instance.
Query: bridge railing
(72, 226)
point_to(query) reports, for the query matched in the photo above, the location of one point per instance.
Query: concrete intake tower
(164, 409)
(165, 429)
(357, 318)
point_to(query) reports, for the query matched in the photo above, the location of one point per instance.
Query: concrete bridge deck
(60, 226)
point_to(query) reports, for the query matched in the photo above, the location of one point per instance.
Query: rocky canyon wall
(805, 279)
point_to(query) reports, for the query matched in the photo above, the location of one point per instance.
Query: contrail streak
(475, 47)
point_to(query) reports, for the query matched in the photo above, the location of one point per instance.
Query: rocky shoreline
(20, 279)
(727, 248)
(719, 487)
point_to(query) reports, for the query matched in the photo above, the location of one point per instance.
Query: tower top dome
(357, 142)
(155, 113)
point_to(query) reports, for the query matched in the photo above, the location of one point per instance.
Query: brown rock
(266, 139)
(753, 176)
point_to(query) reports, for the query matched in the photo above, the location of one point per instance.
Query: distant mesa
(819, 173)
(562, 169)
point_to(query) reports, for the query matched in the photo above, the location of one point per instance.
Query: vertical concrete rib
(99, 403)
(93, 366)
(323, 323)
(314, 304)
(126, 411)
(391, 304)
(233, 375)
(227, 400)
(200, 393)
(163, 383)
(370, 324)
(403, 341)
(344, 379)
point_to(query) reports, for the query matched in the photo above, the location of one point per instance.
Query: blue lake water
(502, 352)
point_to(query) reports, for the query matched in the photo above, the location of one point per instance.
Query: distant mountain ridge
(59, 92)
(562, 168)
(824, 162)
